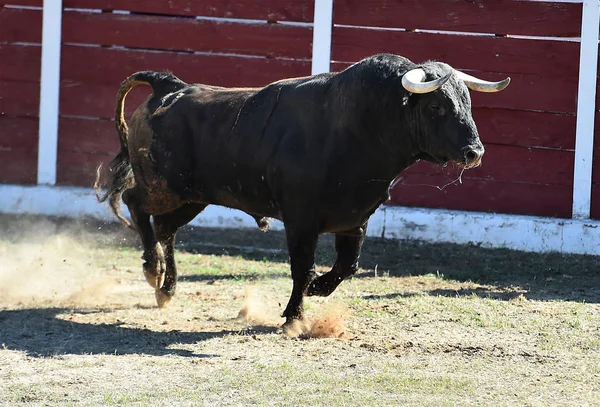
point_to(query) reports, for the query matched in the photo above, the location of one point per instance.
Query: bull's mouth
(444, 160)
(468, 165)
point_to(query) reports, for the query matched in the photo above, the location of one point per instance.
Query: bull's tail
(120, 173)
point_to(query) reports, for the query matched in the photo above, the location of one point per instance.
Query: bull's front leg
(301, 246)
(347, 245)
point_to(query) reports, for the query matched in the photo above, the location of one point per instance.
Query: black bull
(318, 153)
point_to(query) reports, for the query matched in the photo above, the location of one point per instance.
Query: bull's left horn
(480, 85)
(412, 81)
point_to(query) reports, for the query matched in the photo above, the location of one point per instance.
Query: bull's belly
(253, 203)
(345, 220)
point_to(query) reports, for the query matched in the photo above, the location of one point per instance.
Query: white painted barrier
(528, 233)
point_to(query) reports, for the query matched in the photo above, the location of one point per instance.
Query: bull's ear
(413, 81)
(480, 85)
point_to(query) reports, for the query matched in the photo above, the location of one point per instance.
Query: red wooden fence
(528, 129)
(102, 49)
(20, 53)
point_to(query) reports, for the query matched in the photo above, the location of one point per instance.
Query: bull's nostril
(471, 156)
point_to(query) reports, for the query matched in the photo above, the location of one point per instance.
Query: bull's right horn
(480, 85)
(412, 81)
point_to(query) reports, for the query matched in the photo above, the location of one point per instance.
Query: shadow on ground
(549, 276)
(41, 332)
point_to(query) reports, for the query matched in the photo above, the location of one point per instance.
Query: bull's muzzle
(473, 155)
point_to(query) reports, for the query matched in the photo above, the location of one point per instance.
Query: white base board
(527, 233)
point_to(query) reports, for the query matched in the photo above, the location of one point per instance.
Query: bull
(318, 153)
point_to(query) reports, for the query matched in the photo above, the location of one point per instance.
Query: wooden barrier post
(49, 92)
(322, 24)
(586, 107)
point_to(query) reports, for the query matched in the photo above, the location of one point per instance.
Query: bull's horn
(413, 81)
(480, 85)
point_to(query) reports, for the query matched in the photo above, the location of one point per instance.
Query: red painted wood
(18, 133)
(526, 129)
(511, 180)
(544, 76)
(596, 154)
(18, 167)
(34, 3)
(507, 163)
(490, 54)
(20, 63)
(83, 64)
(496, 17)
(487, 196)
(80, 135)
(79, 169)
(22, 25)
(499, 127)
(86, 93)
(18, 150)
(184, 34)
(595, 206)
(279, 10)
(19, 98)
(526, 92)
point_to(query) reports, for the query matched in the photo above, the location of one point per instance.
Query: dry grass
(441, 325)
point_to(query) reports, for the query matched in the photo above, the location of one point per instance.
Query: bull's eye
(437, 109)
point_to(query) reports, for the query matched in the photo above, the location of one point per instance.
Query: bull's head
(441, 108)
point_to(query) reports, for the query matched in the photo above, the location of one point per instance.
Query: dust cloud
(42, 264)
(256, 311)
(328, 323)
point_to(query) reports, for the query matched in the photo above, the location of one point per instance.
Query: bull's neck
(372, 107)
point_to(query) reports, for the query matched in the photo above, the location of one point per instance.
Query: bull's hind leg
(166, 227)
(347, 245)
(301, 245)
(154, 262)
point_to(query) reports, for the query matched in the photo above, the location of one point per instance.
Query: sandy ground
(420, 324)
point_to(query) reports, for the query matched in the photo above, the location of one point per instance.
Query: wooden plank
(595, 206)
(184, 34)
(31, 3)
(280, 10)
(540, 68)
(18, 150)
(596, 155)
(500, 126)
(487, 196)
(86, 93)
(79, 135)
(18, 167)
(79, 169)
(558, 95)
(82, 64)
(22, 25)
(20, 63)
(505, 163)
(554, 59)
(19, 98)
(496, 17)
(18, 133)
(525, 129)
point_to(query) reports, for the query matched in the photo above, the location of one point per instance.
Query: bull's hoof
(162, 299)
(295, 327)
(155, 280)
